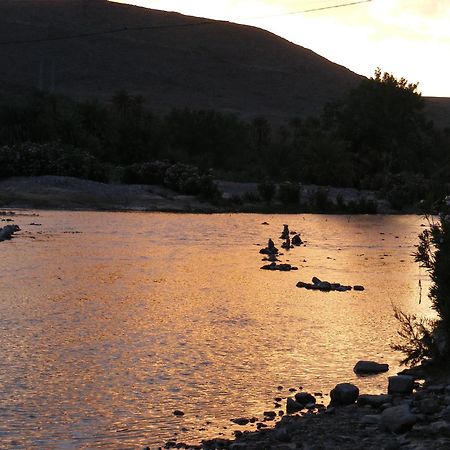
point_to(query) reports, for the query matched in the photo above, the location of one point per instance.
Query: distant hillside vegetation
(222, 66)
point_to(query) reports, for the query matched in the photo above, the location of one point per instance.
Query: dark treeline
(377, 137)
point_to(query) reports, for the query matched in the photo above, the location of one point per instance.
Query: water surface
(110, 321)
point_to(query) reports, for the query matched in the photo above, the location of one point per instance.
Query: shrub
(289, 193)
(152, 172)
(267, 190)
(416, 338)
(31, 159)
(423, 338)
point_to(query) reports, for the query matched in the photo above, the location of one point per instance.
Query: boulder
(429, 405)
(344, 394)
(398, 419)
(375, 401)
(401, 384)
(296, 240)
(370, 367)
(370, 419)
(293, 406)
(7, 232)
(304, 398)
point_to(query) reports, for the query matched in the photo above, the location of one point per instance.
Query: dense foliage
(377, 137)
(430, 339)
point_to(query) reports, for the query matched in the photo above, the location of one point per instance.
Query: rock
(292, 406)
(344, 394)
(296, 240)
(436, 388)
(315, 280)
(7, 232)
(270, 414)
(371, 419)
(286, 244)
(398, 419)
(358, 288)
(304, 398)
(282, 435)
(177, 412)
(343, 288)
(241, 421)
(270, 249)
(375, 401)
(280, 267)
(370, 367)
(440, 427)
(271, 266)
(401, 384)
(429, 405)
(285, 232)
(324, 286)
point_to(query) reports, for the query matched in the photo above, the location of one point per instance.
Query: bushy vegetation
(376, 137)
(28, 158)
(423, 339)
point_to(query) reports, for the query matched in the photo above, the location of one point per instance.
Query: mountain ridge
(219, 65)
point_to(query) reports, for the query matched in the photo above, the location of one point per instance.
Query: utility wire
(172, 26)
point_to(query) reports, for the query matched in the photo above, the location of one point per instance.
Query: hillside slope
(181, 62)
(217, 65)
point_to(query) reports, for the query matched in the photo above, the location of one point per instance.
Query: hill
(181, 62)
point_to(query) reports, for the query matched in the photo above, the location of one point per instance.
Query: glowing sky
(409, 38)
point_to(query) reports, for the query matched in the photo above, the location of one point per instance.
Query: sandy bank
(58, 192)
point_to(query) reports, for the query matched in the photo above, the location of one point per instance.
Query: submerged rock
(370, 367)
(241, 421)
(325, 286)
(280, 267)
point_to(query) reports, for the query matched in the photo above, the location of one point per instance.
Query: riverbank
(68, 193)
(413, 414)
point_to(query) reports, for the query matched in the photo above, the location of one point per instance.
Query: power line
(323, 8)
(172, 26)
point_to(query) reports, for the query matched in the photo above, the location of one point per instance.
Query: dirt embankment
(57, 192)
(54, 192)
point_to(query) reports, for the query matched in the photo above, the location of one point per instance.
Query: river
(111, 321)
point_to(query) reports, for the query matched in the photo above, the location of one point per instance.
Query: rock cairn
(272, 252)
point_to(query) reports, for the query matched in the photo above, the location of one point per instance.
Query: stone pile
(272, 252)
(326, 286)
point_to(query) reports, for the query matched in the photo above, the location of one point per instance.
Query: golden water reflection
(105, 332)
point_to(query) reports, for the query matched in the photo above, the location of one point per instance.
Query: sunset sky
(410, 38)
